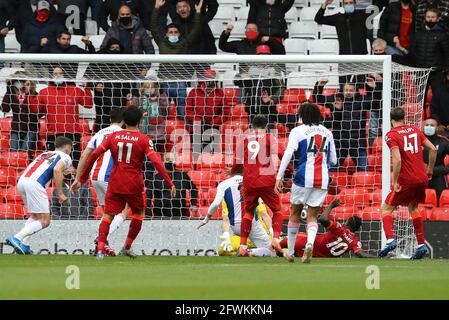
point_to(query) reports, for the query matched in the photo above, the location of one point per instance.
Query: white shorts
(307, 196)
(34, 196)
(258, 235)
(100, 188)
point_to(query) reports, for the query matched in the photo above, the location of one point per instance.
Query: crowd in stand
(415, 33)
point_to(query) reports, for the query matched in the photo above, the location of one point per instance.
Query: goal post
(182, 74)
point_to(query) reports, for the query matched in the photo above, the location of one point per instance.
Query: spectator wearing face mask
(439, 104)
(154, 104)
(129, 30)
(442, 6)
(395, 26)
(110, 9)
(42, 31)
(269, 15)
(21, 99)
(60, 102)
(351, 26)
(438, 181)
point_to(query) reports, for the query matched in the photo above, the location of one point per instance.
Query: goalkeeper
(228, 194)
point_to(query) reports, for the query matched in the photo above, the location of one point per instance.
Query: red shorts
(413, 195)
(115, 202)
(268, 195)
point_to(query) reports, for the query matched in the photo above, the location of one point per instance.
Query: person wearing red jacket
(205, 104)
(60, 102)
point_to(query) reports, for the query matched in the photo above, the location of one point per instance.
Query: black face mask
(169, 166)
(431, 24)
(114, 51)
(125, 20)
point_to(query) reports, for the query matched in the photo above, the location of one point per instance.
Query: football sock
(419, 229)
(26, 240)
(134, 229)
(245, 228)
(387, 221)
(103, 232)
(116, 222)
(277, 224)
(29, 229)
(312, 229)
(292, 232)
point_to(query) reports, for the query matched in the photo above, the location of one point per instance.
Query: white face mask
(173, 39)
(58, 80)
(429, 130)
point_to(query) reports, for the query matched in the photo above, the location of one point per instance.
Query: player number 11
(129, 147)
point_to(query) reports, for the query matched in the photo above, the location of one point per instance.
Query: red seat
(366, 179)
(413, 111)
(375, 162)
(372, 213)
(329, 198)
(231, 96)
(85, 140)
(340, 178)
(4, 141)
(184, 160)
(294, 96)
(5, 124)
(444, 198)
(441, 214)
(203, 179)
(376, 197)
(8, 177)
(172, 124)
(14, 159)
(12, 211)
(431, 198)
(238, 111)
(344, 212)
(348, 165)
(354, 196)
(221, 176)
(2, 194)
(282, 130)
(377, 146)
(13, 196)
(425, 212)
(211, 161)
(282, 108)
(43, 132)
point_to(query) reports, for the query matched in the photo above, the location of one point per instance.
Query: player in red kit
(256, 154)
(338, 240)
(126, 184)
(410, 178)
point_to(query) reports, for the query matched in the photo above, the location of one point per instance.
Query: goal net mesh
(195, 114)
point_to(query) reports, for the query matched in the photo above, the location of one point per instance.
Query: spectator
(248, 45)
(185, 19)
(154, 104)
(60, 101)
(73, 14)
(348, 122)
(79, 205)
(439, 104)
(438, 181)
(165, 205)
(21, 99)
(42, 31)
(395, 26)
(110, 9)
(442, 6)
(63, 45)
(429, 48)
(6, 22)
(128, 29)
(108, 95)
(269, 15)
(174, 43)
(25, 12)
(351, 26)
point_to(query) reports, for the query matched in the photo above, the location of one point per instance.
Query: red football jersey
(258, 149)
(409, 140)
(336, 242)
(128, 150)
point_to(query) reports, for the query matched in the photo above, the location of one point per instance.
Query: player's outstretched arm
(432, 157)
(324, 217)
(58, 173)
(213, 207)
(226, 236)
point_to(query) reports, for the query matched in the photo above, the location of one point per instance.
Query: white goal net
(195, 108)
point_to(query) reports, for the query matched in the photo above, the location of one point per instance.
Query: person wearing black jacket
(164, 204)
(63, 46)
(110, 8)
(440, 102)
(429, 48)
(269, 15)
(438, 181)
(6, 22)
(351, 26)
(393, 26)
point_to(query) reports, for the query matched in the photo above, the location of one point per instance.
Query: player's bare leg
(245, 230)
(134, 229)
(387, 223)
(20, 241)
(293, 226)
(419, 231)
(312, 229)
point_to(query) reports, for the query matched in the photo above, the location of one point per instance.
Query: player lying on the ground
(126, 186)
(338, 240)
(101, 171)
(32, 186)
(229, 195)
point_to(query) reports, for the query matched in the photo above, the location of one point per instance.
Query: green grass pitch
(44, 277)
